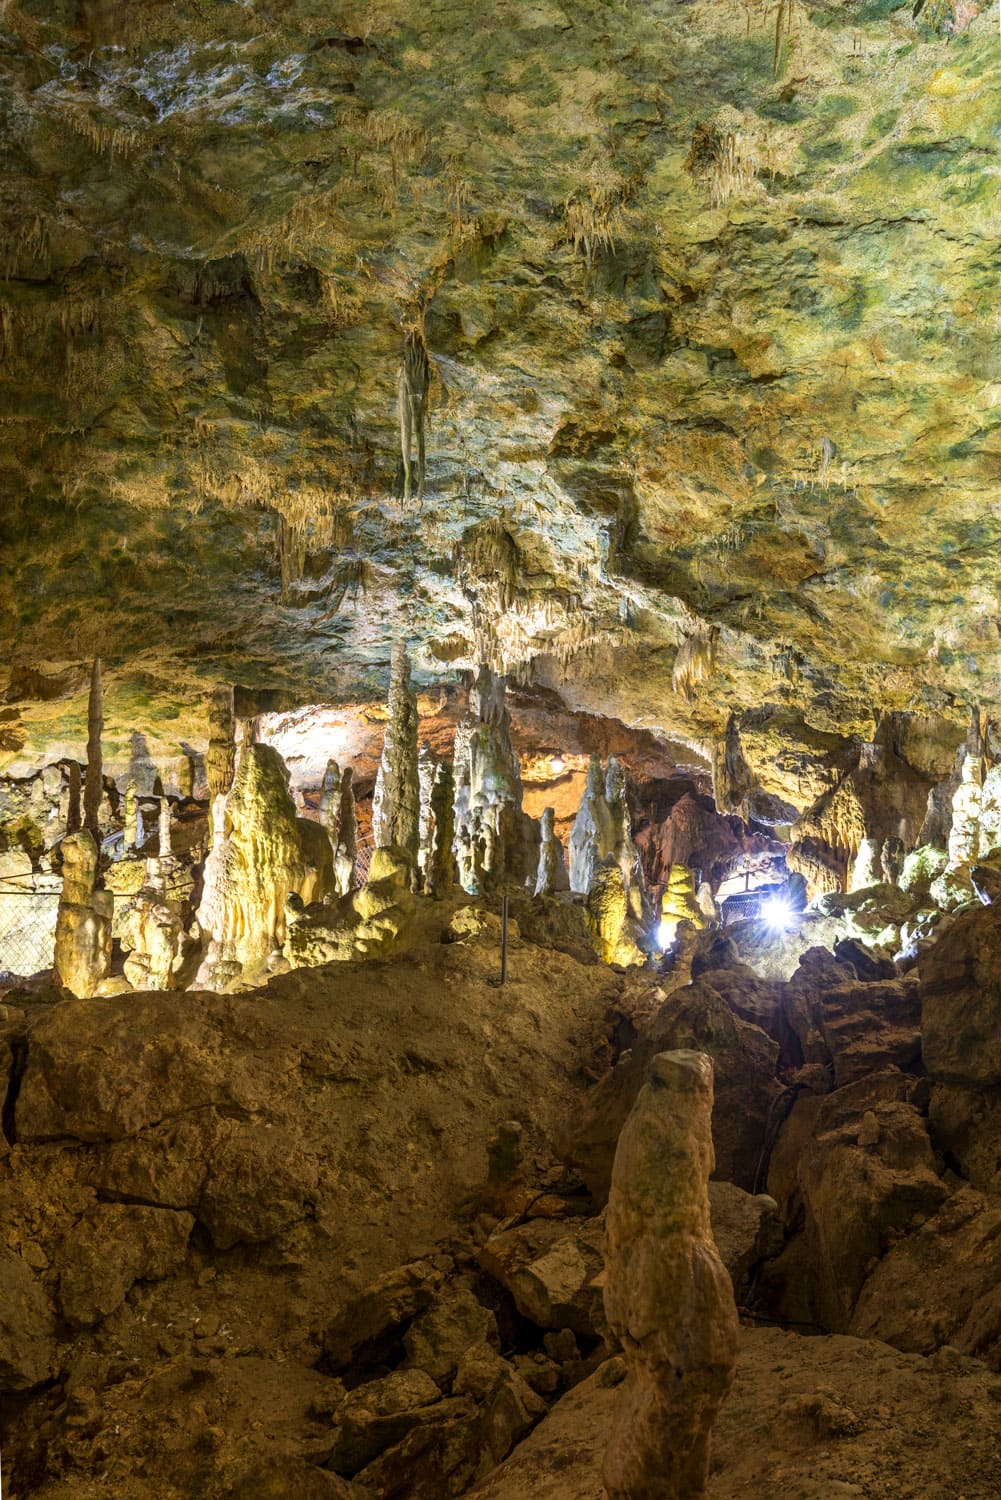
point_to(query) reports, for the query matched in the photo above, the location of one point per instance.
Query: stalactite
(93, 788)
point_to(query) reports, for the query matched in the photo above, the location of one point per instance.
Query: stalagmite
(73, 796)
(396, 802)
(440, 861)
(601, 832)
(165, 848)
(257, 860)
(667, 1294)
(346, 853)
(83, 923)
(679, 903)
(131, 816)
(93, 788)
(426, 767)
(552, 872)
(609, 919)
(592, 835)
(495, 841)
(330, 800)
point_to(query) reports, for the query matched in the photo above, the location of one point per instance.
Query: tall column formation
(220, 758)
(602, 830)
(494, 839)
(593, 835)
(439, 862)
(668, 1296)
(346, 852)
(551, 876)
(165, 849)
(83, 923)
(426, 768)
(330, 800)
(93, 787)
(396, 802)
(131, 816)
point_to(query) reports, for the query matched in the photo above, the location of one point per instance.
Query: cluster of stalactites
(495, 841)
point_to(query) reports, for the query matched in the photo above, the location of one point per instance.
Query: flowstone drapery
(396, 801)
(668, 1296)
(83, 923)
(495, 841)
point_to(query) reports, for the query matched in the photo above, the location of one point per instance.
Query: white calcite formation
(495, 841)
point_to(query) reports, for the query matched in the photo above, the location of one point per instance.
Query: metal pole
(503, 973)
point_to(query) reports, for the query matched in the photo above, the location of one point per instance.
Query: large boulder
(866, 1176)
(941, 1284)
(554, 1271)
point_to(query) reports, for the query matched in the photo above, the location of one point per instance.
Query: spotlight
(665, 933)
(556, 764)
(776, 913)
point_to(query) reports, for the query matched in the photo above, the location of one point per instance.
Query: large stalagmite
(83, 924)
(396, 802)
(668, 1296)
(262, 854)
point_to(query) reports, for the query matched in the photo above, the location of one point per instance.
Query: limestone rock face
(83, 923)
(744, 1061)
(867, 1174)
(27, 1326)
(667, 1294)
(114, 1246)
(961, 1000)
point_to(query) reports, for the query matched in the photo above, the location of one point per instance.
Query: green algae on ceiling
(709, 293)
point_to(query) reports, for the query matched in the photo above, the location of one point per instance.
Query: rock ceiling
(709, 294)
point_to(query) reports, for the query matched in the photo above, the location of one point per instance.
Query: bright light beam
(776, 913)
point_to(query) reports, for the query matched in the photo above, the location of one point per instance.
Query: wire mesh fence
(27, 930)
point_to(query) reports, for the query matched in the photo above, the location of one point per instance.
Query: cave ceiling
(709, 293)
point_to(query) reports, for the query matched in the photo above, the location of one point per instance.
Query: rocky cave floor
(289, 1241)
